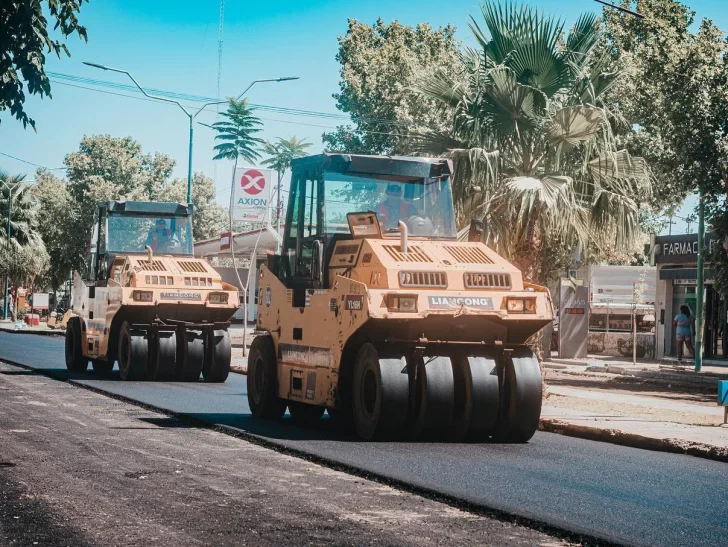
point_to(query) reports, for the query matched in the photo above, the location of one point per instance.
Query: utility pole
(190, 115)
(701, 284)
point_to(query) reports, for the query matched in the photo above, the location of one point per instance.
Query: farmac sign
(250, 200)
(681, 249)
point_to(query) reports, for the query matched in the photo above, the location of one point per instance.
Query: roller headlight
(402, 303)
(521, 305)
(218, 298)
(143, 296)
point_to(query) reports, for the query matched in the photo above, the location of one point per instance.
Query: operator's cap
(160, 222)
(394, 189)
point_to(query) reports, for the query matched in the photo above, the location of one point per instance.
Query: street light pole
(190, 115)
(700, 284)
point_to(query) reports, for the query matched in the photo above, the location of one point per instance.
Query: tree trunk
(528, 252)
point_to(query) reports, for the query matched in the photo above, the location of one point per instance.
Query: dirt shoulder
(78, 468)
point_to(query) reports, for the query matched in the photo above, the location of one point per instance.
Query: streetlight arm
(155, 97)
(284, 79)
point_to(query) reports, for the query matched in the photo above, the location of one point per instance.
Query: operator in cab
(160, 238)
(394, 208)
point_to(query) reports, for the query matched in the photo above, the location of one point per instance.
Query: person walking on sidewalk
(683, 321)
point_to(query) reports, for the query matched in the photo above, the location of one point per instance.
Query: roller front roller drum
(133, 353)
(190, 355)
(262, 381)
(162, 362)
(435, 397)
(218, 355)
(380, 394)
(521, 397)
(75, 360)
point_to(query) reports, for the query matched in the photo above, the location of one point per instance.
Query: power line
(208, 110)
(55, 76)
(31, 163)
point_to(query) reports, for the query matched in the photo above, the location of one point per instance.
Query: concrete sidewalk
(653, 407)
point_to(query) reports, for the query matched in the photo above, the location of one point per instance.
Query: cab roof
(376, 165)
(150, 208)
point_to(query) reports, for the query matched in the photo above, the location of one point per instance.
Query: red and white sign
(250, 201)
(225, 240)
(253, 182)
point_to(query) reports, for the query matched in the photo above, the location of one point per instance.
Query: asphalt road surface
(618, 494)
(107, 472)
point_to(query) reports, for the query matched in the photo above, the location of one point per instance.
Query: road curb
(39, 332)
(615, 436)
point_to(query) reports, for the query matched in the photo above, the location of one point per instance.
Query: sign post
(251, 195)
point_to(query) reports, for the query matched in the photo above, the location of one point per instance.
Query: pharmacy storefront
(676, 261)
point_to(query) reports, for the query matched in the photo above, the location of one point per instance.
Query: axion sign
(252, 182)
(251, 194)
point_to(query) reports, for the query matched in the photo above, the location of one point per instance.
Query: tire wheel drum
(262, 380)
(458, 397)
(75, 360)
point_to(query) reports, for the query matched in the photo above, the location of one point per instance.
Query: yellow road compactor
(375, 311)
(146, 302)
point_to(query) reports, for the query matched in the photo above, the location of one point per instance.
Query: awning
(244, 243)
(684, 273)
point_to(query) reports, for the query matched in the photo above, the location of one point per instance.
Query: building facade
(675, 257)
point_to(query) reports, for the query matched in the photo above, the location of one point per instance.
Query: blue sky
(172, 45)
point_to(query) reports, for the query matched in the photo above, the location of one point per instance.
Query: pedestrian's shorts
(682, 337)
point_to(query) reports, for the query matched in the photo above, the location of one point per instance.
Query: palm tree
(237, 132)
(239, 141)
(24, 214)
(531, 137)
(281, 153)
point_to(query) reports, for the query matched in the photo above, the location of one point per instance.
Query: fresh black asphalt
(619, 494)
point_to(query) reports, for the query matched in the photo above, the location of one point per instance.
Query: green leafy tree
(24, 40)
(109, 168)
(55, 224)
(281, 153)
(675, 94)
(379, 65)
(532, 140)
(209, 218)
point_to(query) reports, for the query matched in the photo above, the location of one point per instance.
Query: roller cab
(144, 301)
(375, 311)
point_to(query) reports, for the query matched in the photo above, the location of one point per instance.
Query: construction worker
(394, 208)
(161, 238)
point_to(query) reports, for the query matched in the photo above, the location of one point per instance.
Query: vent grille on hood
(468, 255)
(192, 267)
(153, 266)
(414, 254)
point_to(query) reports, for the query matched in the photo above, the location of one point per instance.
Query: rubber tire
(435, 385)
(485, 397)
(218, 354)
(162, 361)
(521, 397)
(102, 367)
(133, 353)
(190, 355)
(380, 394)
(75, 360)
(305, 414)
(263, 382)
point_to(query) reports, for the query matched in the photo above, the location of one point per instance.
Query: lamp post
(190, 115)
(10, 210)
(700, 284)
